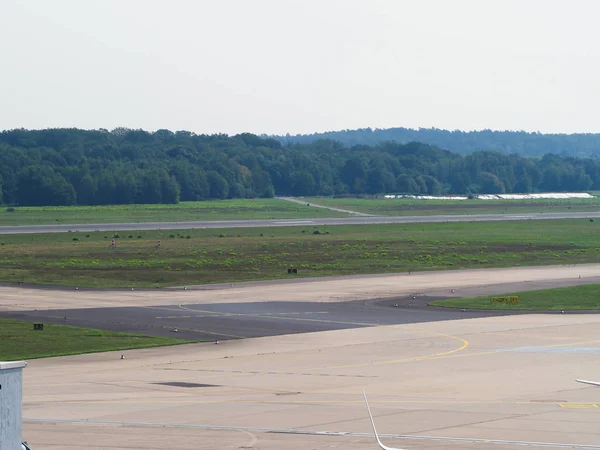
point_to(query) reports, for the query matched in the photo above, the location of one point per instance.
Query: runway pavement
(197, 322)
(31, 229)
(315, 290)
(436, 379)
(484, 383)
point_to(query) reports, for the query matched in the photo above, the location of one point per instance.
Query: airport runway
(237, 320)
(436, 379)
(470, 282)
(31, 229)
(475, 384)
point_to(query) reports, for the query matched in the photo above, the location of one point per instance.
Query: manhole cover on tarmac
(186, 385)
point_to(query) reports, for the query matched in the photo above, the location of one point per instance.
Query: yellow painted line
(451, 354)
(448, 354)
(464, 345)
(578, 405)
(498, 352)
(263, 316)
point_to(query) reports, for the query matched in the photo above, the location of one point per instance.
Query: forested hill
(71, 166)
(506, 142)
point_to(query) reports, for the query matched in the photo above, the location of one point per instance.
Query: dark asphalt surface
(29, 229)
(244, 320)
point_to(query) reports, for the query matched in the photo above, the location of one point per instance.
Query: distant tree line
(464, 142)
(124, 166)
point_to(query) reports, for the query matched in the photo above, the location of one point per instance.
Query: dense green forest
(123, 166)
(465, 142)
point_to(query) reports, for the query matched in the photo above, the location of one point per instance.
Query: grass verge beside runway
(187, 257)
(238, 209)
(414, 207)
(18, 340)
(586, 297)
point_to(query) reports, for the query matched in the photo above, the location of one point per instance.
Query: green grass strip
(586, 297)
(18, 340)
(239, 209)
(202, 256)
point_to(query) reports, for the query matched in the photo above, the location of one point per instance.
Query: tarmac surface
(29, 229)
(435, 379)
(199, 322)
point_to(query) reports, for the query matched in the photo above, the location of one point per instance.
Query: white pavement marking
(312, 432)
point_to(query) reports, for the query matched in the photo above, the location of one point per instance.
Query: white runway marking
(316, 433)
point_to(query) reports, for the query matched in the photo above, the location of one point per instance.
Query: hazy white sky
(300, 66)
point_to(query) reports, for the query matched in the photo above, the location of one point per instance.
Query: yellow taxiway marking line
(500, 351)
(578, 405)
(448, 354)
(264, 316)
(451, 354)
(464, 345)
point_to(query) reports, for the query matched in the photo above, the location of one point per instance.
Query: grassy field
(585, 297)
(413, 207)
(209, 256)
(239, 209)
(18, 340)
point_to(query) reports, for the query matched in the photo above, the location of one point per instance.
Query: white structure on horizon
(11, 404)
(547, 195)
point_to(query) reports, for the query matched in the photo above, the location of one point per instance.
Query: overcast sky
(300, 66)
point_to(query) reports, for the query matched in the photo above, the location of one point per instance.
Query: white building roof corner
(5, 365)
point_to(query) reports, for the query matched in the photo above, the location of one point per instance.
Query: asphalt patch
(220, 322)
